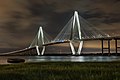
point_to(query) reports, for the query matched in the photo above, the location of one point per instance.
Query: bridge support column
(37, 48)
(116, 50)
(38, 52)
(72, 48)
(80, 47)
(116, 44)
(43, 50)
(108, 45)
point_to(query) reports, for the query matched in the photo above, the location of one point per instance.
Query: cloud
(20, 19)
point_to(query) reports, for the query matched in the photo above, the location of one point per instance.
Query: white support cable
(34, 43)
(72, 28)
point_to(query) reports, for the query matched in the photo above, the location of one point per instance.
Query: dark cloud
(20, 19)
(112, 18)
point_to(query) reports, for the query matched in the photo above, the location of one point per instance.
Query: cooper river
(3, 59)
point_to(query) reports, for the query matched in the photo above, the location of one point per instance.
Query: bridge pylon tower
(71, 33)
(39, 41)
(76, 34)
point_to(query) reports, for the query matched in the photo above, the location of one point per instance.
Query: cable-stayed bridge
(77, 30)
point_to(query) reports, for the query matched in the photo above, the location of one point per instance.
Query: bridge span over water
(76, 31)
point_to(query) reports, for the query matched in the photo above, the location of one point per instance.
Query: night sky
(20, 19)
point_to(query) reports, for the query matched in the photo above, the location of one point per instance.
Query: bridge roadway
(87, 39)
(22, 52)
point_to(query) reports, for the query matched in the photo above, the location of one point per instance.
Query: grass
(61, 71)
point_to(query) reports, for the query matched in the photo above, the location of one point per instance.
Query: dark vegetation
(61, 71)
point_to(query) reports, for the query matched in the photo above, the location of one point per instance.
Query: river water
(3, 59)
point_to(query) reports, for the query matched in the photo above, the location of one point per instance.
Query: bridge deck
(87, 39)
(18, 52)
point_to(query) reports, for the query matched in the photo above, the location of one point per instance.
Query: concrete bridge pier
(116, 45)
(108, 45)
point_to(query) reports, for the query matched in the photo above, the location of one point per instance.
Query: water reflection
(73, 58)
(3, 59)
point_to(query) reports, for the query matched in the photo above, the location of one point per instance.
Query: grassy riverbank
(61, 71)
